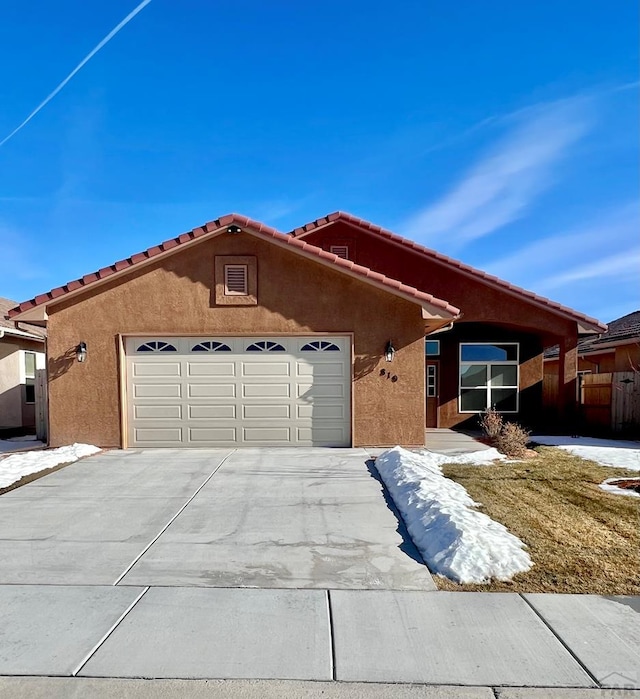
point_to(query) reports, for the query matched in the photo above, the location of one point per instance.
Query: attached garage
(238, 391)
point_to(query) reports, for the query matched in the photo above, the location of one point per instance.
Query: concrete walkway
(451, 442)
(347, 634)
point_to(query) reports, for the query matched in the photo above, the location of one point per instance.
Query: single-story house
(22, 352)
(337, 333)
(617, 349)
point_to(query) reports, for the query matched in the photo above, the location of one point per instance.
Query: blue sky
(502, 133)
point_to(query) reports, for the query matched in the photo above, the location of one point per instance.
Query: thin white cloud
(621, 266)
(80, 65)
(504, 183)
(615, 226)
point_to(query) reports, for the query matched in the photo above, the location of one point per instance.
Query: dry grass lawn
(580, 538)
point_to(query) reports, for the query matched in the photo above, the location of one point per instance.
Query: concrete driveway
(136, 564)
(268, 518)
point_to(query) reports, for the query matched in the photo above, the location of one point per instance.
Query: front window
(489, 377)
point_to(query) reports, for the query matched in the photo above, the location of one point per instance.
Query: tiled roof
(444, 259)
(261, 229)
(6, 324)
(619, 330)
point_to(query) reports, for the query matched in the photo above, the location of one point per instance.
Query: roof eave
(586, 325)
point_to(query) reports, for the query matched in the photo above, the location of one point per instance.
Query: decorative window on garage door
(156, 346)
(320, 346)
(265, 346)
(211, 346)
(489, 377)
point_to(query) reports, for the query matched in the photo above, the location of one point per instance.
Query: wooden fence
(612, 401)
(42, 405)
(607, 402)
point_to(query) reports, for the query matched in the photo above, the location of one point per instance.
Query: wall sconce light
(234, 230)
(81, 352)
(389, 351)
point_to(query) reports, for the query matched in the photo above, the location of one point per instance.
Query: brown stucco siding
(478, 301)
(177, 296)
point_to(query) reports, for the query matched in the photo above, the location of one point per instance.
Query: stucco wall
(14, 411)
(177, 295)
(10, 388)
(478, 302)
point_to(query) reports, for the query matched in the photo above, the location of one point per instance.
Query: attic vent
(340, 251)
(235, 280)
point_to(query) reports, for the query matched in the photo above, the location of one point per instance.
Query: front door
(432, 371)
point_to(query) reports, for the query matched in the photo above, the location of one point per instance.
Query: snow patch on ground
(19, 443)
(478, 458)
(16, 466)
(608, 452)
(454, 539)
(607, 485)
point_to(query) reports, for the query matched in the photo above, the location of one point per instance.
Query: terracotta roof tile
(444, 259)
(256, 227)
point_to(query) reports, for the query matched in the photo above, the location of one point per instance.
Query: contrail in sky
(84, 61)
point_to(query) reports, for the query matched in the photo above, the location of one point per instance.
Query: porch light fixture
(234, 230)
(389, 351)
(81, 352)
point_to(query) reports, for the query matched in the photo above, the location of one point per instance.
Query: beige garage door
(227, 391)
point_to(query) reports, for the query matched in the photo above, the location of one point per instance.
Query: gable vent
(235, 280)
(340, 251)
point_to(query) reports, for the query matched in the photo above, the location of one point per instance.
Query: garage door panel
(321, 412)
(212, 435)
(297, 395)
(157, 390)
(266, 369)
(266, 390)
(157, 369)
(211, 368)
(313, 391)
(212, 390)
(157, 412)
(212, 412)
(158, 435)
(266, 412)
(267, 435)
(332, 369)
(321, 436)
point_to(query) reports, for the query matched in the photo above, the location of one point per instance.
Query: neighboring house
(237, 334)
(21, 354)
(617, 349)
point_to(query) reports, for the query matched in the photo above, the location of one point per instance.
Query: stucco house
(337, 333)
(21, 355)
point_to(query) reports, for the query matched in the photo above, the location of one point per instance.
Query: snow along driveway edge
(454, 539)
(21, 464)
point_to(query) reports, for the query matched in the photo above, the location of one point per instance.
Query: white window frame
(488, 364)
(432, 386)
(437, 354)
(29, 378)
(230, 292)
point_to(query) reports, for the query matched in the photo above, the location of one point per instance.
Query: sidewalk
(359, 636)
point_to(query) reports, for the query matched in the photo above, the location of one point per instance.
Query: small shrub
(491, 423)
(512, 440)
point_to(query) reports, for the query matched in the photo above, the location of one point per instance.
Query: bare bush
(512, 440)
(491, 423)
